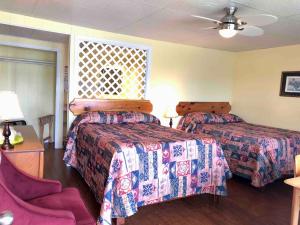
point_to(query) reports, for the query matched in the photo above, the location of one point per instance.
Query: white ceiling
(169, 20)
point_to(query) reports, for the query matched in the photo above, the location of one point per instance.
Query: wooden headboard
(82, 105)
(213, 107)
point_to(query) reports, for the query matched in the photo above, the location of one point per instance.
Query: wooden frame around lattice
(111, 70)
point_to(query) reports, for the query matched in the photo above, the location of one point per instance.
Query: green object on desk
(18, 140)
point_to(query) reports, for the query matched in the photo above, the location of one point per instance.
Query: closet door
(33, 82)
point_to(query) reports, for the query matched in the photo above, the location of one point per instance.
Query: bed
(129, 160)
(259, 153)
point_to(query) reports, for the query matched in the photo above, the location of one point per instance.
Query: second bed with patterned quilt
(259, 153)
(129, 160)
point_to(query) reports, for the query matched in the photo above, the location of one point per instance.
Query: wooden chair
(49, 119)
(295, 183)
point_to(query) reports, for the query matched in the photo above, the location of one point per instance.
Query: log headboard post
(214, 107)
(82, 105)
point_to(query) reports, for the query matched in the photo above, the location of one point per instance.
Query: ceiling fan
(230, 24)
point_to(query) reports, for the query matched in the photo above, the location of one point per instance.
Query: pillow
(231, 118)
(198, 117)
(116, 118)
(206, 118)
(127, 117)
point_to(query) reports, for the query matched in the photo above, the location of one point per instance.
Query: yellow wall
(181, 73)
(257, 84)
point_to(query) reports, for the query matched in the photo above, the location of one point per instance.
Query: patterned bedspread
(262, 154)
(135, 164)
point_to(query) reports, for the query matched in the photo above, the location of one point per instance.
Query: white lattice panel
(111, 71)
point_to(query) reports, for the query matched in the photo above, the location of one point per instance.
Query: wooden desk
(28, 156)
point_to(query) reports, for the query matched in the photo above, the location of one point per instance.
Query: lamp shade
(170, 113)
(9, 106)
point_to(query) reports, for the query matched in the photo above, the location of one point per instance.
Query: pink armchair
(38, 201)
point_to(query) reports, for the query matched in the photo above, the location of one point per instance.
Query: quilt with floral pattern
(130, 163)
(259, 153)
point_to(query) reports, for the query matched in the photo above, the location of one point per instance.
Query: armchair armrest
(28, 186)
(27, 214)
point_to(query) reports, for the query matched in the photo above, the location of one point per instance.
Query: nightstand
(29, 155)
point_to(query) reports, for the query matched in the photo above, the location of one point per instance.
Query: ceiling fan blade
(251, 31)
(259, 20)
(209, 28)
(206, 18)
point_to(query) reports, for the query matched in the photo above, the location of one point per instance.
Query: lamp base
(6, 133)
(171, 122)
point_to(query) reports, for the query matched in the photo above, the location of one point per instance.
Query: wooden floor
(244, 205)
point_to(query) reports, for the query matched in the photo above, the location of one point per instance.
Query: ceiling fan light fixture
(230, 25)
(228, 30)
(227, 33)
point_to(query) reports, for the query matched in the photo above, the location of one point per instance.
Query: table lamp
(9, 110)
(170, 113)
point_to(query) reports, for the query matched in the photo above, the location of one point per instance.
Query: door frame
(58, 97)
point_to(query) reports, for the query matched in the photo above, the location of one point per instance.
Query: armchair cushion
(27, 214)
(69, 199)
(36, 201)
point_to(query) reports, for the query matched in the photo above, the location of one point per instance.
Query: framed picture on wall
(290, 84)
